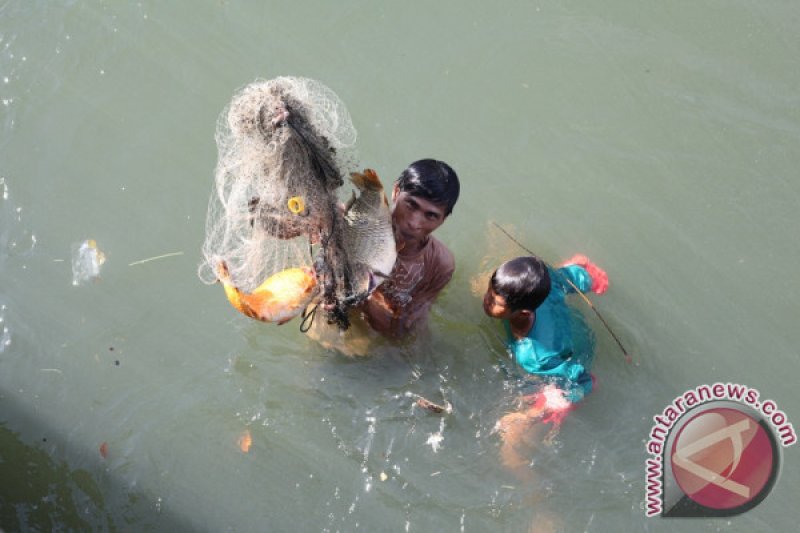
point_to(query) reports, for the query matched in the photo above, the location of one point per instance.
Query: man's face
(495, 305)
(414, 218)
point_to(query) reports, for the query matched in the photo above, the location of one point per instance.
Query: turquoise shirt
(560, 345)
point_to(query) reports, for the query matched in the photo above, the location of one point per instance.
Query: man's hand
(377, 300)
(379, 312)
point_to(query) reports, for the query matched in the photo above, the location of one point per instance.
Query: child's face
(495, 305)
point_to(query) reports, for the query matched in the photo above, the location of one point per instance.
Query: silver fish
(368, 236)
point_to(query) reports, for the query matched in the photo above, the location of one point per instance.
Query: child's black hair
(524, 282)
(431, 180)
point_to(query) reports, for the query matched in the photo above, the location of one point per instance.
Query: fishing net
(284, 146)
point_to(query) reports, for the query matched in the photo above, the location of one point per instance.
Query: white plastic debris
(86, 261)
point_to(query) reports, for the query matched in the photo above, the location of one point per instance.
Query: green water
(660, 140)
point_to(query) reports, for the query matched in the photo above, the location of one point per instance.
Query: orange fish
(279, 299)
(245, 441)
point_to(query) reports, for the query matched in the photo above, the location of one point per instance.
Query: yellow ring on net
(296, 205)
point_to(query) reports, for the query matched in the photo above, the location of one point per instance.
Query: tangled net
(284, 145)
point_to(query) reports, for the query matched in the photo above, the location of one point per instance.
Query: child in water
(544, 338)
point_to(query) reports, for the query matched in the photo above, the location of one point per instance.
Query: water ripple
(15, 239)
(5, 334)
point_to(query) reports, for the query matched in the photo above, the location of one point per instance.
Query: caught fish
(279, 299)
(368, 237)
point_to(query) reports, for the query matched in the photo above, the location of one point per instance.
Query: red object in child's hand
(599, 276)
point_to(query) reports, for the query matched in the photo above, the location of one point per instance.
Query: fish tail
(367, 180)
(238, 299)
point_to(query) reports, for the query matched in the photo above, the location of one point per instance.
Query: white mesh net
(284, 146)
(261, 165)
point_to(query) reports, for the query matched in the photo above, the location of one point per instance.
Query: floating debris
(104, 450)
(429, 405)
(86, 261)
(156, 258)
(245, 441)
(433, 407)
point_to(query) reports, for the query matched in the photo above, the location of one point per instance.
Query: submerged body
(280, 298)
(559, 346)
(548, 340)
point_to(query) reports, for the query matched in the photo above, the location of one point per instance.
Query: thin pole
(585, 298)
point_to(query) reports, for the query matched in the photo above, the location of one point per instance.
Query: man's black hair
(431, 180)
(524, 282)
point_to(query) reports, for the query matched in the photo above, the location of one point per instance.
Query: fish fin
(258, 305)
(372, 284)
(350, 203)
(379, 274)
(376, 279)
(235, 296)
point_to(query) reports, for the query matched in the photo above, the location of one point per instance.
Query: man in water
(423, 197)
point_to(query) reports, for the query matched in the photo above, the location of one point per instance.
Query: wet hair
(524, 282)
(431, 180)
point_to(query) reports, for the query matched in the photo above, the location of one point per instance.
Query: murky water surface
(660, 140)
